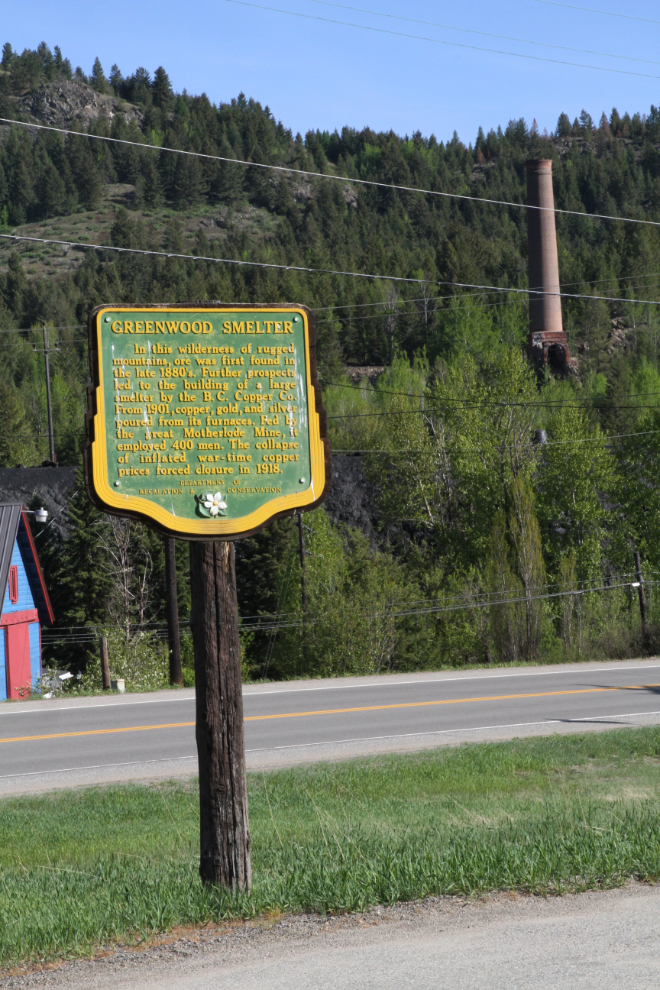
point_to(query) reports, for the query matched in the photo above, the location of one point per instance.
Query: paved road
(71, 741)
(594, 941)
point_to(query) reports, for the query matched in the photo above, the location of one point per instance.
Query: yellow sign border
(96, 453)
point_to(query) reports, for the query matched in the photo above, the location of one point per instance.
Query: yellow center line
(340, 711)
(97, 732)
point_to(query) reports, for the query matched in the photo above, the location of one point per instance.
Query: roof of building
(14, 525)
(52, 487)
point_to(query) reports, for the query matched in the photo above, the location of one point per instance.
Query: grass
(80, 869)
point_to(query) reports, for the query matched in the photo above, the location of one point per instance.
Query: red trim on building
(27, 615)
(26, 523)
(12, 584)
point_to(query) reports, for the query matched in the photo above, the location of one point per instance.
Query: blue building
(25, 604)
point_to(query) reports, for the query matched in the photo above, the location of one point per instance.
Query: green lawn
(81, 868)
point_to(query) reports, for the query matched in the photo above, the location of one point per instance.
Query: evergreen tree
(563, 126)
(81, 582)
(51, 191)
(161, 90)
(62, 65)
(7, 57)
(16, 444)
(116, 78)
(15, 284)
(46, 56)
(18, 167)
(87, 177)
(174, 237)
(97, 78)
(153, 194)
(189, 184)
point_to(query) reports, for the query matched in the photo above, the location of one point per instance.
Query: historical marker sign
(205, 420)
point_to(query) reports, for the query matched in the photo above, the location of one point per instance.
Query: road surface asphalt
(592, 941)
(74, 741)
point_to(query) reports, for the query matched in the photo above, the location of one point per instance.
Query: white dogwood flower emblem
(214, 504)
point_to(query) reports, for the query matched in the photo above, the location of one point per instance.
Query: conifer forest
(476, 542)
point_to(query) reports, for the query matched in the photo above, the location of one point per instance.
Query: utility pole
(224, 830)
(642, 598)
(173, 636)
(105, 663)
(303, 554)
(303, 582)
(46, 351)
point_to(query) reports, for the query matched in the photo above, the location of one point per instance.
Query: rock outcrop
(64, 102)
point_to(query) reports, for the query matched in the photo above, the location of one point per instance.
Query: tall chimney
(547, 341)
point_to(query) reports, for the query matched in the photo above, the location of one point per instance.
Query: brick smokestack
(547, 340)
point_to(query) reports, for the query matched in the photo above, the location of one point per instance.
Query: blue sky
(315, 74)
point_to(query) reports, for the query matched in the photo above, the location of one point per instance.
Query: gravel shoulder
(593, 940)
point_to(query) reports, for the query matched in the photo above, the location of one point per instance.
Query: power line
(484, 34)
(323, 175)
(51, 637)
(390, 309)
(496, 446)
(39, 436)
(513, 601)
(438, 41)
(325, 271)
(381, 302)
(273, 620)
(270, 618)
(592, 10)
(34, 329)
(467, 408)
(467, 297)
(557, 403)
(474, 295)
(615, 278)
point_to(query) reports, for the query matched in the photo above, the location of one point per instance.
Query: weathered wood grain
(224, 826)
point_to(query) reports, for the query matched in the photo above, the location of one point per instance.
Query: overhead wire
(438, 41)
(38, 329)
(465, 305)
(270, 617)
(466, 296)
(89, 634)
(484, 34)
(402, 452)
(592, 10)
(557, 403)
(476, 405)
(512, 601)
(324, 175)
(325, 271)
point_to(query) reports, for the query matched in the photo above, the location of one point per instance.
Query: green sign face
(205, 421)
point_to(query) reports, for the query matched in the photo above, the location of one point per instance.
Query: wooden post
(105, 664)
(224, 827)
(642, 598)
(303, 584)
(303, 554)
(173, 637)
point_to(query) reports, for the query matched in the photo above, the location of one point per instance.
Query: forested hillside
(469, 508)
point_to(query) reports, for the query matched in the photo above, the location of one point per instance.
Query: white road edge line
(338, 687)
(336, 742)
(443, 732)
(97, 766)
